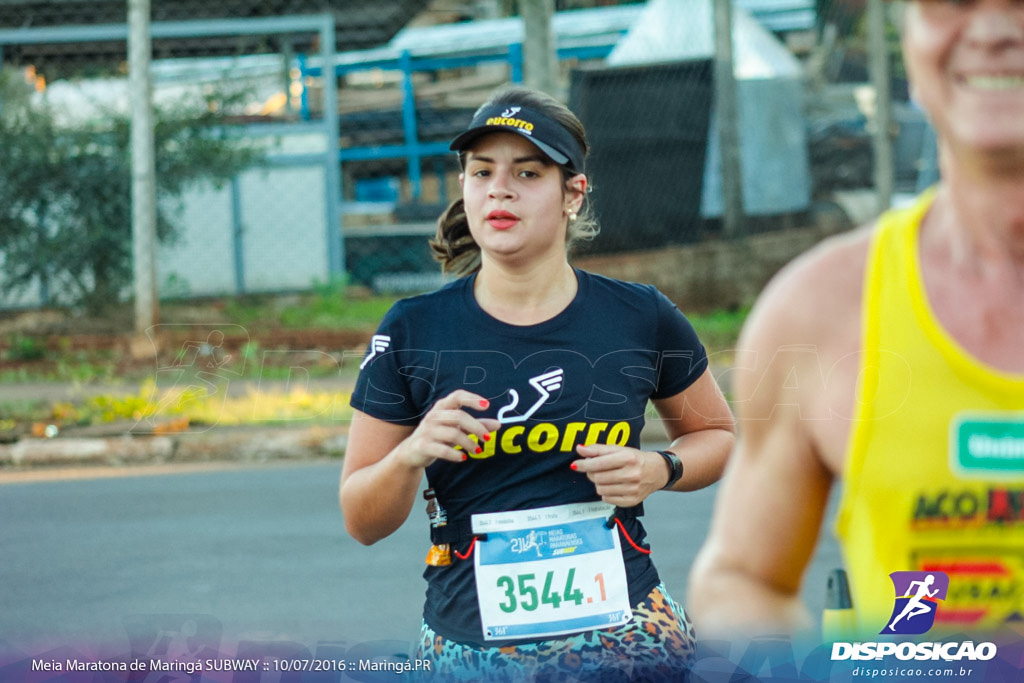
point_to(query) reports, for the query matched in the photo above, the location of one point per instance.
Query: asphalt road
(229, 556)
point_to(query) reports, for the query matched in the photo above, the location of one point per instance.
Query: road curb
(209, 445)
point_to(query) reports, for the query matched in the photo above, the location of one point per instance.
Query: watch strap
(675, 467)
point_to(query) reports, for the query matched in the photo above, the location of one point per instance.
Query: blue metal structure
(581, 35)
(588, 34)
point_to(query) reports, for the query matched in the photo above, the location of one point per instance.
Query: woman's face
(515, 199)
(965, 60)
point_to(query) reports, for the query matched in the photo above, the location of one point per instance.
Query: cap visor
(467, 138)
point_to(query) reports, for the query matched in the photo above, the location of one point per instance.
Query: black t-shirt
(584, 376)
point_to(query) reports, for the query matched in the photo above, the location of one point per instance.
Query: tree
(65, 190)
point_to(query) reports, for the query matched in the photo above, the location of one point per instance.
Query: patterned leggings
(656, 645)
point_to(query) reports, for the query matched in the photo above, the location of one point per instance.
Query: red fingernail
(479, 450)
(464, 457)
(487, 437)
(484, 403)
(572, 465)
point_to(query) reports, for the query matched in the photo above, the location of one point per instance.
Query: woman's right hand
(444, 432)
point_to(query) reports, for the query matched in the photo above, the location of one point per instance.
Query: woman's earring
(571, 214)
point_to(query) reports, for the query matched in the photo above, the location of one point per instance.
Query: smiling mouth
(994, 82)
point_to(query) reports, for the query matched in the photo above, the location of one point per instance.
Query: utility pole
(143, 167)
(727, 108)
(878, 63)
(540, 57)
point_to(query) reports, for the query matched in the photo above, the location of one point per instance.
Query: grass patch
(329, 307)
(25, 348)
(323, 313)
(214, 406)
(80, 368)
(21, 410)
(719, 330)
(155, 408)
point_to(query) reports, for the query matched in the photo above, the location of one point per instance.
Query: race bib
(549, 571)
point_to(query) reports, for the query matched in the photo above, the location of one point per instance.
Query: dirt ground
(50, 357)
(58, 336)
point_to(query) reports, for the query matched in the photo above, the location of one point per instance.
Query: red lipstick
(500, 219)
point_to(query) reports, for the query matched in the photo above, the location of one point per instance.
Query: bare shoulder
(775, 490)
(797, 361)
(814, 298)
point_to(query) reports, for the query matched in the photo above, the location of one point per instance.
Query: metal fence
(355, 167)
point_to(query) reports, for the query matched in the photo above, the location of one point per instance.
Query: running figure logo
(917, 596)
(545, 384)
(532, 541)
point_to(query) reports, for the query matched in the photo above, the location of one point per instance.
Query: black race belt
(459, 531)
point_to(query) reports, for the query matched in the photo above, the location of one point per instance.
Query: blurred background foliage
(65, 210)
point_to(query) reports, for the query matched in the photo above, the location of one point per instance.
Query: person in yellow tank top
(891, 360)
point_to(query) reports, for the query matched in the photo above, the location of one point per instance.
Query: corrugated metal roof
(359, 24)
(572, 28)
(781, 16)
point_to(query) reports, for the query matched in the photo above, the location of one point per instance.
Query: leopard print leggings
(656, 645)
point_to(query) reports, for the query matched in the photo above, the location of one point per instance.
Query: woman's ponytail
(453, 245)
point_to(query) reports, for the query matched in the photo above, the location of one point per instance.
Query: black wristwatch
(675, 467)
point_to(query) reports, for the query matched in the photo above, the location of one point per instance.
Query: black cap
(547, 134)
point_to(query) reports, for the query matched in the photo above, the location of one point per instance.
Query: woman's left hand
(623, 476)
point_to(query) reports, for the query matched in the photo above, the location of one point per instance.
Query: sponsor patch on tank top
(989, 445)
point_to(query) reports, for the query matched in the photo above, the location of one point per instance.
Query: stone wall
(712, 275)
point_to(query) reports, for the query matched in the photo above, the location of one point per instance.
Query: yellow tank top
(934, 474)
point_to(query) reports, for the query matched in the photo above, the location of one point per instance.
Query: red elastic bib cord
(625, 535)
(622, 530)
(469, 550)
